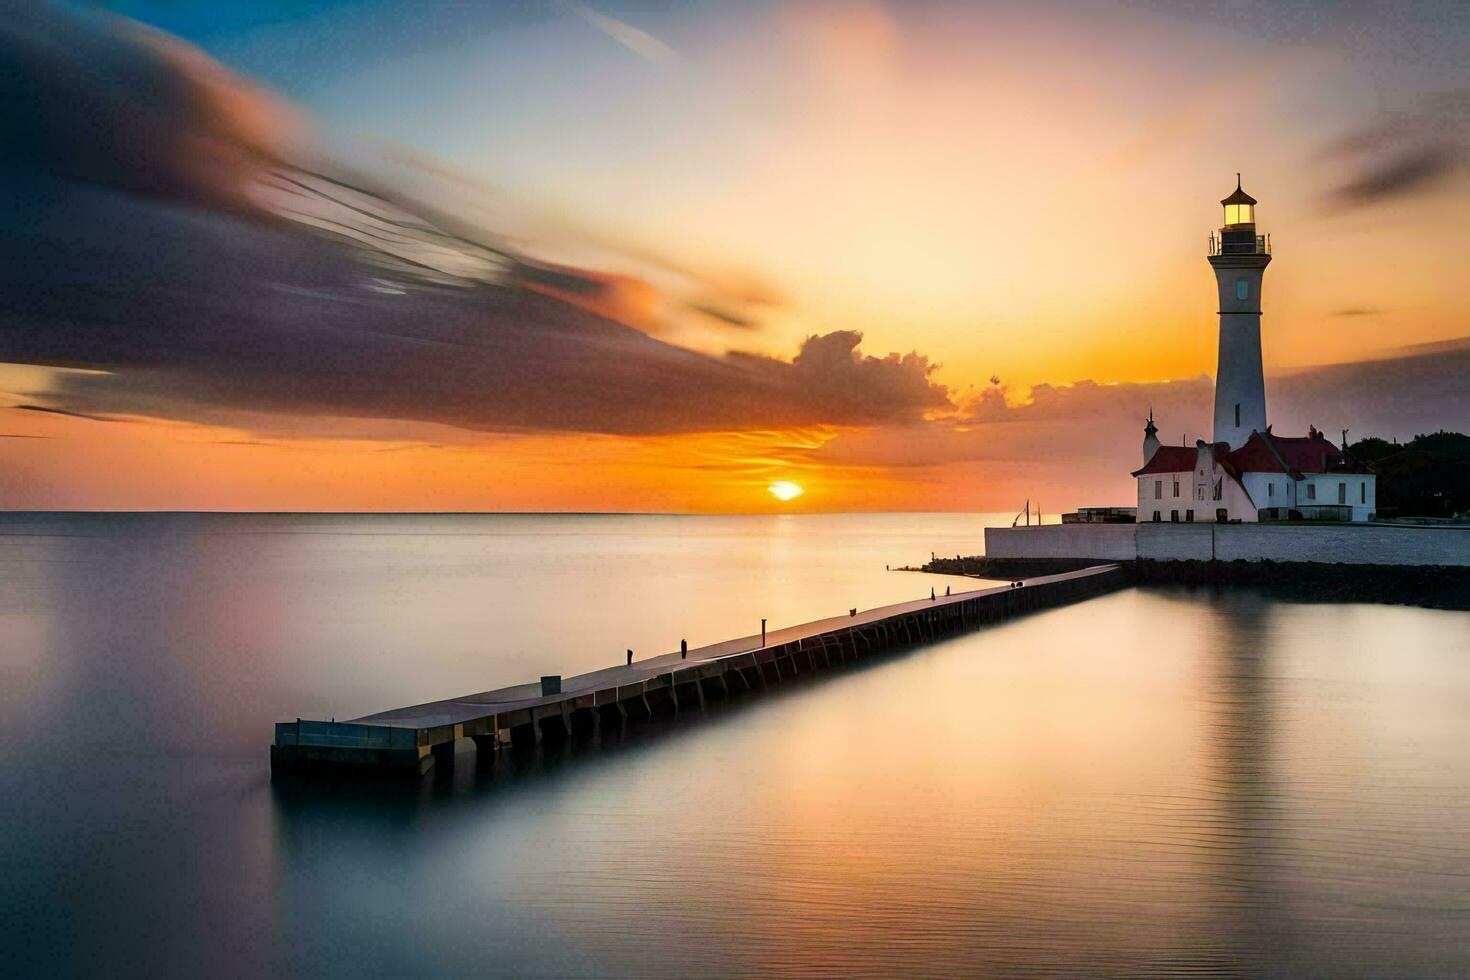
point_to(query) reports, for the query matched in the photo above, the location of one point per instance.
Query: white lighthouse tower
(1239, 257)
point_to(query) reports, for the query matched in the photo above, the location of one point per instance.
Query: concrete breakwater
(1429, 586)
(1346, 544)
(984, 566)
(409, 741)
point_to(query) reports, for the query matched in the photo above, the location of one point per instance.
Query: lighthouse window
(1242, 289)
(1237, 414)
(1239, 214)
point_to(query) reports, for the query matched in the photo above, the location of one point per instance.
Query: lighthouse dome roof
(1238, 197)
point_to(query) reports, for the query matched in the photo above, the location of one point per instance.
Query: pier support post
(444, 755)
(553, 728)
(582, 721)
(485, 748)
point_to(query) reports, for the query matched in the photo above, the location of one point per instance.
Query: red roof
(1170, 459)
(1261, 453)
(1266, 453)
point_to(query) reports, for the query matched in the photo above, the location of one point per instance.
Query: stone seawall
(1100, 542)
(1433, 586)
(1349, 544)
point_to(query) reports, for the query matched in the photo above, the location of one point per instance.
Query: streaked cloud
(640, 42)
(1403, 153)
(53, 410)
(225, 315)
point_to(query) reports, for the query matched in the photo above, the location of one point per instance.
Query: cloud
(221, 315)
(640, 42)
(100, 98)
(1403, 153)
(61, 411)
(1412, 390)
(830, 377)
(1404, 171)
(360, 309)
(1098, 428)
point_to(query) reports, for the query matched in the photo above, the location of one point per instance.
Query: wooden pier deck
(409, 740)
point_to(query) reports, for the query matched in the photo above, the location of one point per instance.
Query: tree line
(1428, 476)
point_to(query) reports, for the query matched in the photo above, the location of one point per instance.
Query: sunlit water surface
(1152, 782)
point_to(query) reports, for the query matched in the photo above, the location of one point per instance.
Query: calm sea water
(1152, 782)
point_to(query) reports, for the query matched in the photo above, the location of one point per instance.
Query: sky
(659, 256)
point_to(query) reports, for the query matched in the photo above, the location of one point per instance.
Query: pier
(409, 741)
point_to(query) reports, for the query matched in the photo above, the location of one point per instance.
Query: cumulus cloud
(1096, 428)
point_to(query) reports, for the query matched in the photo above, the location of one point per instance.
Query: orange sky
(1021, 192)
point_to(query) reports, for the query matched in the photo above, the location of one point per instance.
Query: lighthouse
(1239, 257)
(1246, 472)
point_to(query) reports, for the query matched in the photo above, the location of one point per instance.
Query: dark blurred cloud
(129, 160)
(94, 97)
(1405, 171)
(216, 315)
(49, 410)
(1402, 153)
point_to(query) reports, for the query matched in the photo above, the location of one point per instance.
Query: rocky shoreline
(1004, 569)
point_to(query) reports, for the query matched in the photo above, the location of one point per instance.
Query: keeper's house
(1269, 478)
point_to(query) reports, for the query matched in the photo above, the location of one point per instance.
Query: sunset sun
(785, 490)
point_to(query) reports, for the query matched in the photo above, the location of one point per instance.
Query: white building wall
(1270, 489)
(1196, 493)
(1316, 489)
(1361, 492)
(1163, 497)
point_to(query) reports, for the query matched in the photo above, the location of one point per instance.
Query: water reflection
(1257, 926)
(1030, 800)
(1155, 782)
